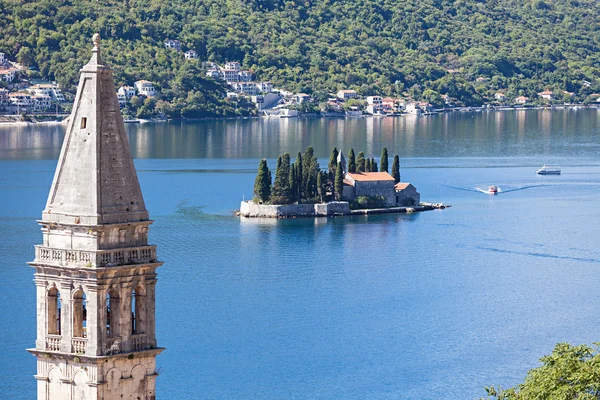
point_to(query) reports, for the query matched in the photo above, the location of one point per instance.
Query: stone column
(42, 316)
(151, 312)
(66, 317)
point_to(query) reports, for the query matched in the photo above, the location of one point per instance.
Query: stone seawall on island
(335, 208)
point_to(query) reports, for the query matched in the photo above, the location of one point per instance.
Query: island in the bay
(356, 186)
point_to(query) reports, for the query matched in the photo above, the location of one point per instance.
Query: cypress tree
(351, 162)
(281, 188)
(384, 160)
(367, 165)
(262, 183)
(293, 184)
(396, 168)
(299, 176)
(373, 165)
(339, 182)
(320, 185)
(306, 160)
(360, 162)
(333, 161)
(278, 166)
(324, 184)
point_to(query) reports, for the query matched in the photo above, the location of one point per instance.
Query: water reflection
(483, 134)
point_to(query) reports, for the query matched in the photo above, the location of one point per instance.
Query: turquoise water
(425, 306)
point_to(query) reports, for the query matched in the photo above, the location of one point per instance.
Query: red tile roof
(401, 185)
(371, 176)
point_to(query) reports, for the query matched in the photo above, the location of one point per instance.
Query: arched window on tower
(53, 302)
(79, 314)
(138, 311)
(112, 313)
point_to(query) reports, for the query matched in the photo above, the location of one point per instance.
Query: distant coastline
(12, 119)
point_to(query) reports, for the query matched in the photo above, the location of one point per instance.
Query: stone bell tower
(95, 271)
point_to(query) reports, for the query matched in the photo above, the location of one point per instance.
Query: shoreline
(439, 111)
(248, 209)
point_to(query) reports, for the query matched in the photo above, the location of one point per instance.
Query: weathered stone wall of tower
(95, 273)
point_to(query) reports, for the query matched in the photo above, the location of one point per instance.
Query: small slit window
(83, 122)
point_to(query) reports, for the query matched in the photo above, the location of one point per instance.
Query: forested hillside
(422, 48)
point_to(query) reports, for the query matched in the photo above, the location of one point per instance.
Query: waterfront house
(145, 88)
(521, 100)
(8, 74)
(248, 88)
(406, 194)
(4, 99)
(47, 89)
(245, 76)
(173, 44)
(191, 55)
(374, 101)
(124, 94)
(370, 184)
(213, 73)
(347, 94)
(413, 108)
(546, 95)
(264, 87)
(41, 102)
(301, 98)
(500, 96)
(21, 102)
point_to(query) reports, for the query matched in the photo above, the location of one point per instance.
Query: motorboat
(548, 170)
(493, 189)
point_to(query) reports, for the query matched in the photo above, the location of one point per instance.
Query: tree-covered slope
(316, 46)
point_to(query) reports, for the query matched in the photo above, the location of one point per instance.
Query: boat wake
(500, 188)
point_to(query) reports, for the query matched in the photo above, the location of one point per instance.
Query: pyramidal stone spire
(95, 272)
(95, 181)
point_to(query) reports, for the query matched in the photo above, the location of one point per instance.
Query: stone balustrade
(139, 342)
(53, 342)
(97, 258)
(78, 345)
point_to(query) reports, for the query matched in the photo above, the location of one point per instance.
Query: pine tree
(299, 176)
(396, 168)
(368, 165)
(339, 182)
(360, 162)
(262, 183)
(373, 165)
(384, 160)
(351, 162)
(281, 188)
(333, 161)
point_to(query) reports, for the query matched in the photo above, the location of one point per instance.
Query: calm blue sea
(435, 305)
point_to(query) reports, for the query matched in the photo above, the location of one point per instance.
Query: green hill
(386, 47)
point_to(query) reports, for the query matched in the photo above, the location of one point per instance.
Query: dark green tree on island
(281, 188)
(339, 182)
(262, 183)
(373, 165)
(384, 160)
(332, 162)
(360, 162)
(351, 161)
(396, 168)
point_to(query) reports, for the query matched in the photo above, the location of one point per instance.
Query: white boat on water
(548, 170)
